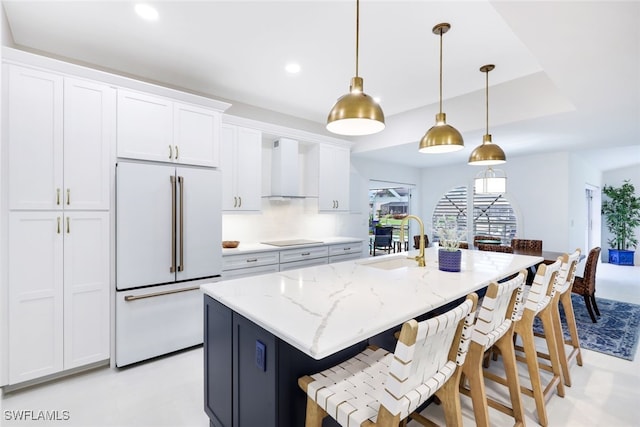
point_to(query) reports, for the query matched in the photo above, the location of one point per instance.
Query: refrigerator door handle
(172, 269)
(181, 183)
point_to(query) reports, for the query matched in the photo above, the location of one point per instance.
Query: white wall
(616, 178)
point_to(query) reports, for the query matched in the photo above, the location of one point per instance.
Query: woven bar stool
(378, 388)
(562, 295)
(494, 327)
(538, 304)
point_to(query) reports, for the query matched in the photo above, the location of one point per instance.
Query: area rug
(616, 332)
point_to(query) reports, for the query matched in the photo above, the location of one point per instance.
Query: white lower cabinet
(58, 292)
(303, 257)
(249, 264)
(345, 252)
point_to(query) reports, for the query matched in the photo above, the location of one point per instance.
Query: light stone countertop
(323, 309)
(251, 247)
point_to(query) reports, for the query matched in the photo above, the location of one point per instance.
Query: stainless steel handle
(170, 152)
(337, 204)
(235, 202)
(181, 183)
(252, 260)
(157, 294)
(240, 203)
(58, 225)
(172, 269)
(177, 153)
(57, 196)
(68, 196)
(68, 226)
(305, 253)
(346, 249)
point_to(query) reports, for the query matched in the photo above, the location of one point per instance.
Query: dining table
(549, 256)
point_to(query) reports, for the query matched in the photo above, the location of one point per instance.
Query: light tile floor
(169, 391)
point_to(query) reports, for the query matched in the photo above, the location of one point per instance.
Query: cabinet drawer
(303, 263)
(345, 248)
(303, 253)
(344, 257)
(233, 262)
(249, 271)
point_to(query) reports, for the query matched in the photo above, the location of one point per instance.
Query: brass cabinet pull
(252, 260)
(68, 196)
(68, 226)
(337, 204)
(58, 225)
(235, 202)
(170, 152)
(157, 294)
(181, 183)
(172, 269)
(177, 154)
(305, 253)
(240, 199)
(57, 196)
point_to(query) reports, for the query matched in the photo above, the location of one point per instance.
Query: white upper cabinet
(60, 131)
(196, 135)
(328, 177)
(156, 128)
(241, 164)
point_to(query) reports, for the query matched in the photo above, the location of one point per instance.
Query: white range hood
(285, 169)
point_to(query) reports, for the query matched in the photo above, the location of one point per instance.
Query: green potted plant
(622, 214)
(449, 254)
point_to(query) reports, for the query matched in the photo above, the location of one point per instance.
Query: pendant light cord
(487, 98)
(357, 33)
(440, 70)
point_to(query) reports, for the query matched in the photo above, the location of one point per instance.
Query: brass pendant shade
(441, 138)
(356, 113)
(487, 153)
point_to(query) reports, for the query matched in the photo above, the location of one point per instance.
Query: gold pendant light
(488, 153)
(356, 113)
(441, 138)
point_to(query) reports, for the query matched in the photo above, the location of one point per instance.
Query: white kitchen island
(263, 332)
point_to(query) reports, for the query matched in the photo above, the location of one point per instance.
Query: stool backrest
(541, 290)
(567, 273)
(426, 356)
(495, 314)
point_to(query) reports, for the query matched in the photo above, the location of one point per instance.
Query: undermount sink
(391, 263)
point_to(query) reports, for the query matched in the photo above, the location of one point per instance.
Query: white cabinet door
(35, 137)
(144, 224)
(196, 137)
(199, 233)
(89, 131)
(35, 294)
(241, 164)
(333, 182)
(145, 127)
(86, 288)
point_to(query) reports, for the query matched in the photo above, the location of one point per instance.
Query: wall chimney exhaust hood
(285, 170)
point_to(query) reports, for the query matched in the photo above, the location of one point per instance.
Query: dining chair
(383, 239)
(463, 245)
(562, 296)
(494, 326)
(378, 388)
(527, 244)
(482, 237)
(586, 285)
(416, 241)
(495, 248)
(537, 303)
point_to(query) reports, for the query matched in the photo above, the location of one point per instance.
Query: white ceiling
(567, 73)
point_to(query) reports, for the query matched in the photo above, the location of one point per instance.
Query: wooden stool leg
(570, 316)
(315, 414)
(531, 356)
(559, 339)
(473, 371)
(449, 395)
(550, 337)
(507, 349)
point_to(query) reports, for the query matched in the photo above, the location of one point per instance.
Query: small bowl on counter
(230, 244)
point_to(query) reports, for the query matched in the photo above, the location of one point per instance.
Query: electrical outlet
(261, 356)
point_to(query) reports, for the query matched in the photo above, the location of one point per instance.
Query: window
(493, 215)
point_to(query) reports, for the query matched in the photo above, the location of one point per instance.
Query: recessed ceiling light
(292, 68)
(146, 11)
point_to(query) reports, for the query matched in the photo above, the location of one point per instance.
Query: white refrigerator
(168, 242)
